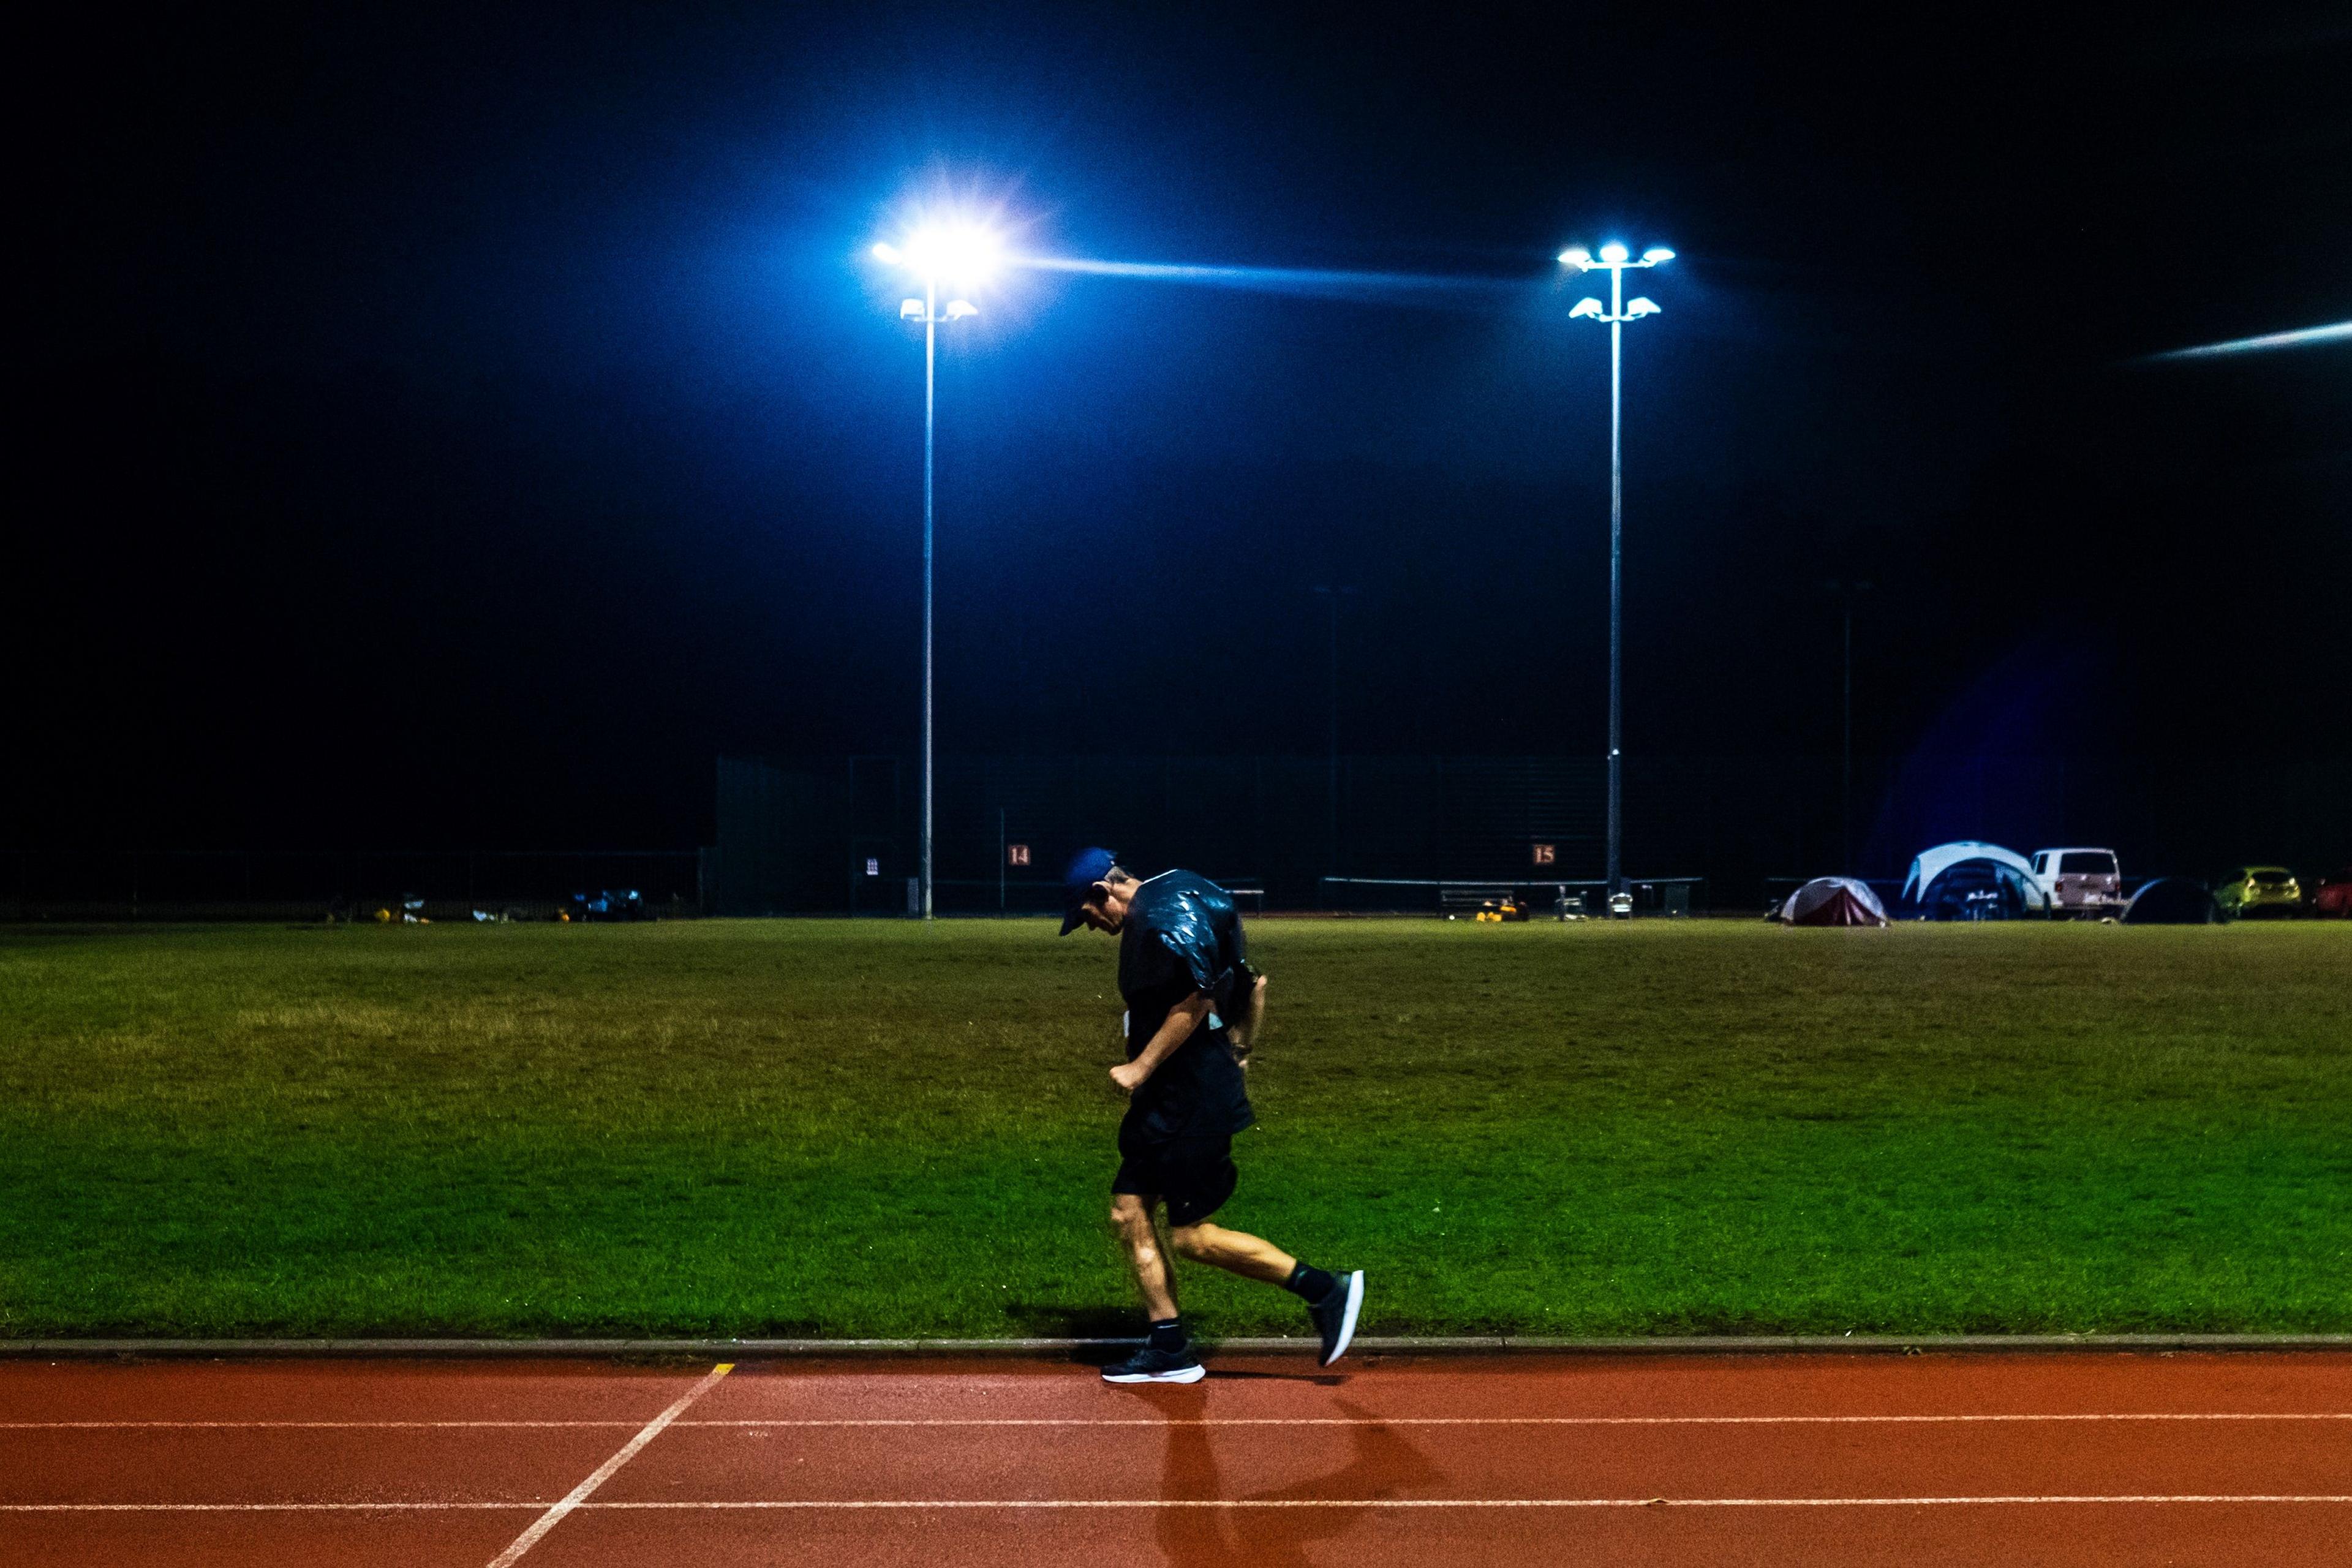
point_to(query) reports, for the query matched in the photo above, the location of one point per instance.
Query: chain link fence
(167, 885)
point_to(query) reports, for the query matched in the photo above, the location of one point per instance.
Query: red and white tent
(1833, 901)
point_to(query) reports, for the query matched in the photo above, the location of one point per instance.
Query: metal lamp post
(1846, 589)
(930, 254)
(1333, 593)
(1616, 260)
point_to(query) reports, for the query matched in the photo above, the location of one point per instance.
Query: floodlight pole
(1331, 855)
(931, 405)
(1616, 260)
(1845, 589)
(1845, 751)
(1616, 564)
(925, 261)
(931, 319)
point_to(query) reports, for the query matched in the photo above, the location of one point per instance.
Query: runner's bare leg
(1235, 1251)
(1137, 1227)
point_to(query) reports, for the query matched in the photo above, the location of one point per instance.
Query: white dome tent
(1970, 880)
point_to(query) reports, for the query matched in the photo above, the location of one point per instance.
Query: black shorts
(1193, 1177)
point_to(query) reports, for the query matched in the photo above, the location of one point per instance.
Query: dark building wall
(783, 843)
(782, 839)
(795, 834)
(2193, 815)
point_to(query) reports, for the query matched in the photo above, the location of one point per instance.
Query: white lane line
(911, 1505)
(1482, 1420)
(258, 1507)
(1490, 1502)
(287, 1426)
(1189, 1421)
(604, 1472)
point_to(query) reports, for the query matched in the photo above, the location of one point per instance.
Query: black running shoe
(1149, 1366)
(1334, 1315)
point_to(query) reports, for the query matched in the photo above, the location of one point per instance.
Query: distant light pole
(1334, 594)
(1616, 260)
(1845, 590)
(959, 252)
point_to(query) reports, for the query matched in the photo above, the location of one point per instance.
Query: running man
(1193, 1009)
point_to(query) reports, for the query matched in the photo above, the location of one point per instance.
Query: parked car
(2079, 883)
(2333, 896)
(610, 904)
(2251, 891)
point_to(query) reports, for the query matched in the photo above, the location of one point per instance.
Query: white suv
(2079, 881)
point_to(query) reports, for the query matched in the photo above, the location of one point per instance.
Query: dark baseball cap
(1086, 867)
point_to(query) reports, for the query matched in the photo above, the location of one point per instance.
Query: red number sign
(1016, 854)
(1545, 855)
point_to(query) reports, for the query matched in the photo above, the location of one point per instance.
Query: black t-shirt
(1183, 937)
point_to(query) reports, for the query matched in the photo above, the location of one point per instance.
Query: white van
(2079, 882)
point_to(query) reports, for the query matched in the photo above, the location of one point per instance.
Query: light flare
(2304, 337)
(1420, 287)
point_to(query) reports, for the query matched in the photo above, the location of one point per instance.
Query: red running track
(2011, 1460)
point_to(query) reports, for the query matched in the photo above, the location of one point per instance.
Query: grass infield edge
(426, 1349)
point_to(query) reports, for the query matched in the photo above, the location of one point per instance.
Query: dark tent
(1833, 901)
(2171, 901)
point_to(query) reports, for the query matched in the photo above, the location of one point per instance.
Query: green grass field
(822, 1127)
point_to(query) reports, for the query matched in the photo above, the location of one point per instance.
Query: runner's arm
(1243, 1032)
(1174, 1030)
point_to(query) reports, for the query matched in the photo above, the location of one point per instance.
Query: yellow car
(2251, 891)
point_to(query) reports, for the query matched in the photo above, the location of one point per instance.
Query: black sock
(1309, 1285)
(1168, 1334)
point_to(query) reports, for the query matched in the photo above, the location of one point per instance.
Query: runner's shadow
(1113, 1330)
(1320, 1380)
(1379, 1464)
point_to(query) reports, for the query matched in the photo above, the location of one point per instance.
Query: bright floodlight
(1614, 253)
(959, 309)
(1639, 307)
(1656, 254)
(886, 254)
(910, 309)
(963, 251)
(1575, 256)
(1586, 306)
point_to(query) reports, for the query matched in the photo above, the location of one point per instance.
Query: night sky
(455, 427)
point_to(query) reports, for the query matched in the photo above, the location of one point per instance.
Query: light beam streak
(1419, 288)
(2302, 338)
